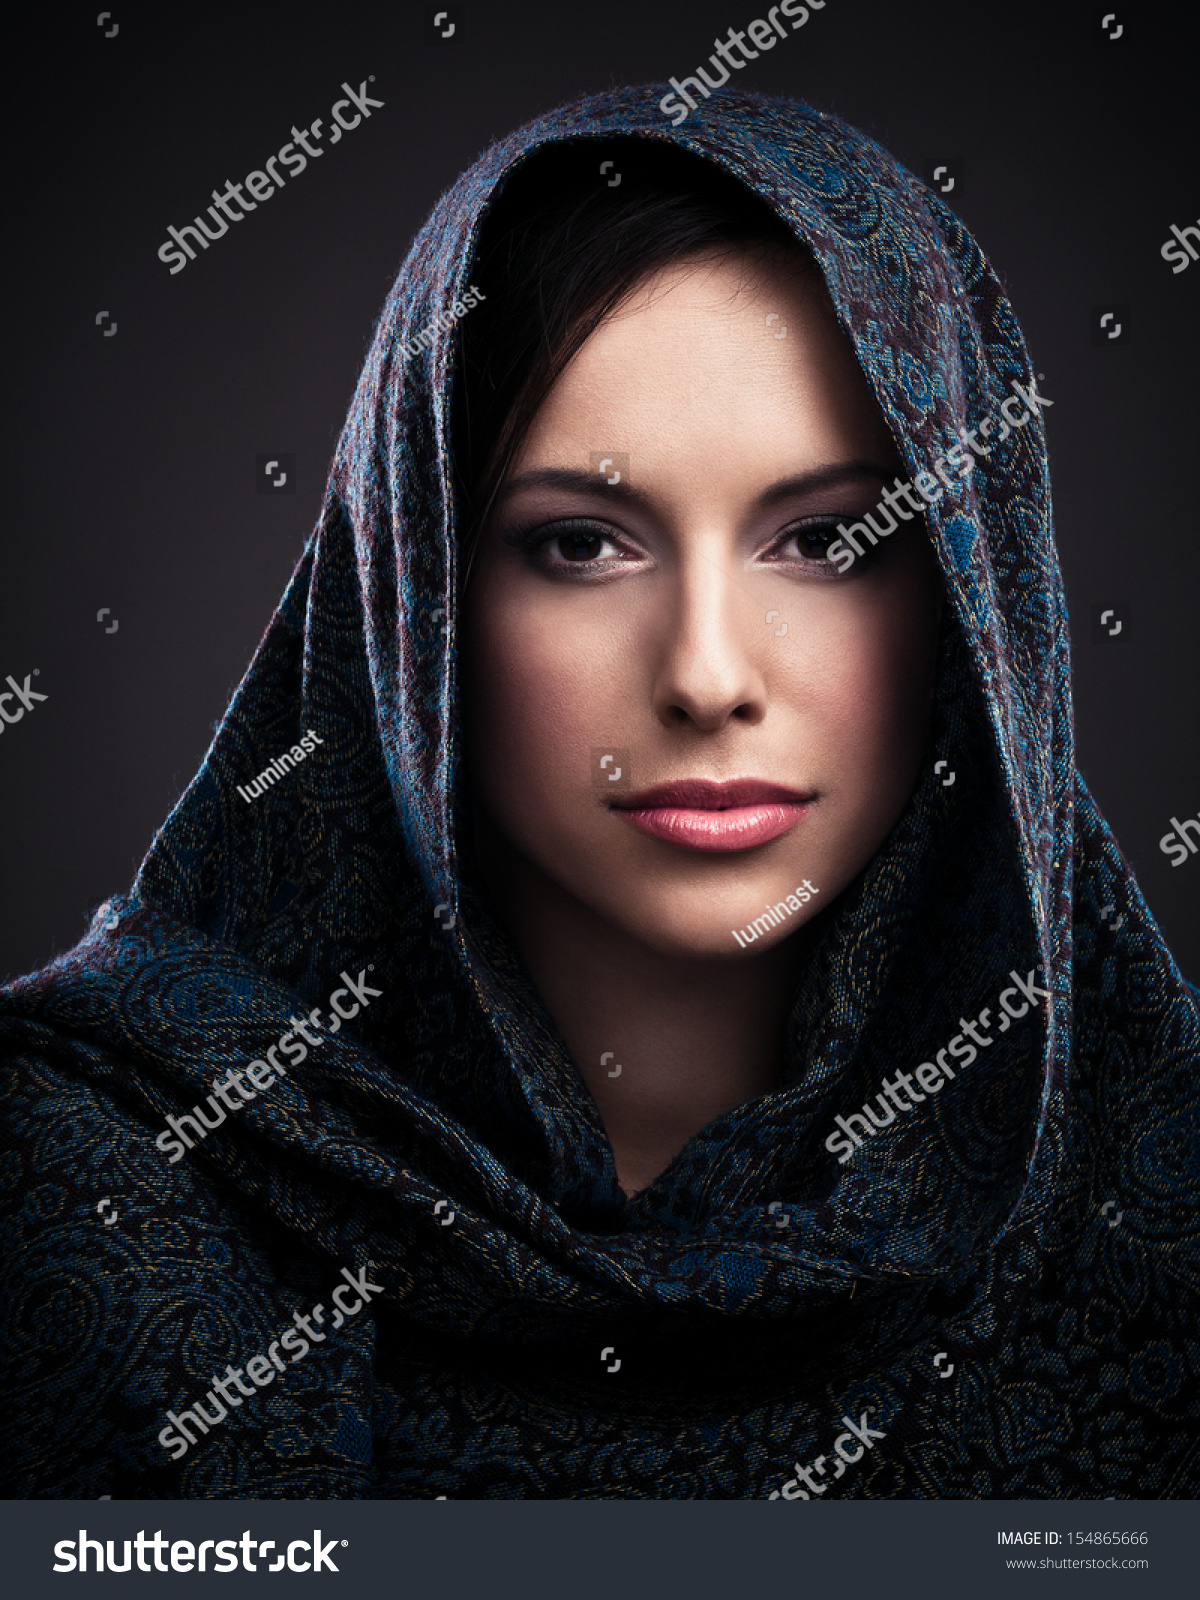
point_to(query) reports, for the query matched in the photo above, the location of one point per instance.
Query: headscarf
(995, 1297)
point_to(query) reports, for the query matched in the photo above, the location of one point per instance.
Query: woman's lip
(742, 827)
(709, 794)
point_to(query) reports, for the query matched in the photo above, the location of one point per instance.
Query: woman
(654, 1033)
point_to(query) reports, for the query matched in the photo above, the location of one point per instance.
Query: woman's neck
(692, 1038)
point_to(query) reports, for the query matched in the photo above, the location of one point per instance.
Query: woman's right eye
(573, 549)
(581, 544)
(589, 550)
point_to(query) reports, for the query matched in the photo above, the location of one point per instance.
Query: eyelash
(829, 525)
(538, 536)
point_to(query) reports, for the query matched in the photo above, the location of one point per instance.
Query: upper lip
(707, 794)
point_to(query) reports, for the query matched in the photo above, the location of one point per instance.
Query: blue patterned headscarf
(1033, 1229)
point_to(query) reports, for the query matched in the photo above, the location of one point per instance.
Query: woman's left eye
(811, 543)
(814, 542)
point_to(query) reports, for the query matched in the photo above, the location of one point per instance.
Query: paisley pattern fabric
(999, 1291)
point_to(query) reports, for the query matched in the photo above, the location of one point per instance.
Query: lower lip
(739, 828)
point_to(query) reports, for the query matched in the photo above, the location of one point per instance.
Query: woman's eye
(810, 546)
(572, 548)
(579, 545)
(814, 542)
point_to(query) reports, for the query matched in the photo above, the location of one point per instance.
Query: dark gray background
(506, 1550)
(132, 457)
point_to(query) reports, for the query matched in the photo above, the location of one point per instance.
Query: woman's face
(682, 621)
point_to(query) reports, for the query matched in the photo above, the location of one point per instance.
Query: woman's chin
(704, 939)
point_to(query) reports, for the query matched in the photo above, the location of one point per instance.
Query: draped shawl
(1002, 1285)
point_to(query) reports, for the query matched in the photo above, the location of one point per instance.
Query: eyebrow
(833, 476)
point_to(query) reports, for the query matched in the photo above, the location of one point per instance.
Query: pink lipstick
(700, 814)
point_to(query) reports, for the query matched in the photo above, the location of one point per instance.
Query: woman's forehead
(728, 351)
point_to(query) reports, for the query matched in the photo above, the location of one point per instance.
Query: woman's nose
(708, 668)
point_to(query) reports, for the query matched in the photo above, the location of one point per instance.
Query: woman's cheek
(542, 699)
(861, 693)
(889, 685)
